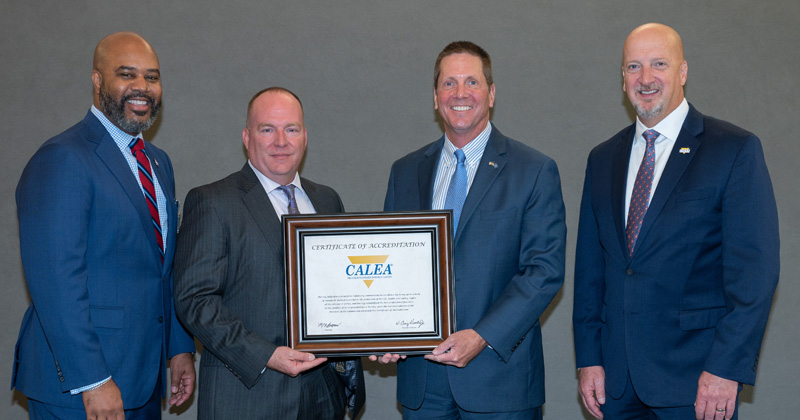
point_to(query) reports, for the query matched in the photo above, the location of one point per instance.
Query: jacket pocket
(693, 195)
(698, 319)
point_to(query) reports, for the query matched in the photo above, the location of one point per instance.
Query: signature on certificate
(412, 323)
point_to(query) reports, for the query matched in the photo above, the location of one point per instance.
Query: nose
(646, 75)
(280, 139)
(140, 84)
(461, 90)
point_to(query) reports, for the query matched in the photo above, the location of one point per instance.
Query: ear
(246, 139)
(97, 80)
(491, 96)
(624, 89)
(435, 102)
(684, 72)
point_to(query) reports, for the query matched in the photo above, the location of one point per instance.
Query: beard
(115, 110)
(657, 108)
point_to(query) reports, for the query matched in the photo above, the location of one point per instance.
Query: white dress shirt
(280, 202)
(473, 152)
(668, 129)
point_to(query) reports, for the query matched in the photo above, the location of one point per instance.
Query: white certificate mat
(369, 284)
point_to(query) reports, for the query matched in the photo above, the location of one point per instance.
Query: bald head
(127, 81)
(120, 42)
(655, 32)
(654, 71)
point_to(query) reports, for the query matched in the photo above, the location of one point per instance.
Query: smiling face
(463, 97)
(127, 82)
(275, 136)
(654, 72)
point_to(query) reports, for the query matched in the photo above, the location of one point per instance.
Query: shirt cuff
(89, 387)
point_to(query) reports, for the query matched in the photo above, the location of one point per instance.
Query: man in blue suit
(508, 252)
(97, 226)
(677, 257)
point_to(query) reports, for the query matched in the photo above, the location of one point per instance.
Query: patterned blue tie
(457, 191)
(640, 197)
(289, 191)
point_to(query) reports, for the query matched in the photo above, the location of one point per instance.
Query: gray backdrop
(363, 70)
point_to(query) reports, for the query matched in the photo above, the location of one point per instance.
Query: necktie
(289, 191)
(146, 179)
(640, 197)
(457, 191)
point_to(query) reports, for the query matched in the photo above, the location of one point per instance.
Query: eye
(632, 68)
(473, 83)
(660, 64)
(152, 78)
(126, 75)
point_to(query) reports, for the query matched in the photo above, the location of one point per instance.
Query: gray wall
(364, 69)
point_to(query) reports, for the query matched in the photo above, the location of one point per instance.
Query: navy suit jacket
(697, 291)
(509, 263)
(101, 301)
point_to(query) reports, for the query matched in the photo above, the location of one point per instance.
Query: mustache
(140, 95)
(650, 86)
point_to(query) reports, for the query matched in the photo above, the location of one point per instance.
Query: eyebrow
(129, 68)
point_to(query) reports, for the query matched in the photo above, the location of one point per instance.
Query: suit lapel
(619, 178)
(167, 187)
(260, 207)
(484, 177)
(676, 165)
(109, 153)
(426, 175)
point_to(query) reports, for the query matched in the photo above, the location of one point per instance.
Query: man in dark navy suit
(677, 255)
(508, 252)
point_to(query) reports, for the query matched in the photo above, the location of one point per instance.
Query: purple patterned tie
(289, 191)
(640, 198)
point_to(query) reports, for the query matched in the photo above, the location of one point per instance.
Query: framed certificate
(366, 283)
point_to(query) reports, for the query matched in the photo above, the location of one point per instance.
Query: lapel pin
(492, 164)
(684, 150)
(155, 161)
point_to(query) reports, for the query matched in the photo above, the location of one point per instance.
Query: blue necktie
(457, 191)
(289, 191)
(640, 197)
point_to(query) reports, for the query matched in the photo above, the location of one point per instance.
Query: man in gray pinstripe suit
(229, 276)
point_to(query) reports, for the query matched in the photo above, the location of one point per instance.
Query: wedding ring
(720, 410)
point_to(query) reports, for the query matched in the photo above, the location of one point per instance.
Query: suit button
(629, 271)
(160, 319)
(61, 379)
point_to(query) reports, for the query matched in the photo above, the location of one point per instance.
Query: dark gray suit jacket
(229, 292)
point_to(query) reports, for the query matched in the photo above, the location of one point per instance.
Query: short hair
(270, 89)
(464, 47)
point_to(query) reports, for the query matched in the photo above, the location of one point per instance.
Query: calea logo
(368, 266)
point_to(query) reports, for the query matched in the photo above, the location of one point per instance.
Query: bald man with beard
(97, 226)
(677, 254)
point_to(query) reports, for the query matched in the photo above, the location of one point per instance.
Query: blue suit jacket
(509, 263)
(101, 301)
(697, 292)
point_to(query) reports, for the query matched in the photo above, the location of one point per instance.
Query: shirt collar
(270, 185)
(669, 127)
(473, 151)
(121, 138)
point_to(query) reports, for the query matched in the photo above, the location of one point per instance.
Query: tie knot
(460, 156)
(650, 136)
(288, 190)
(136, 145)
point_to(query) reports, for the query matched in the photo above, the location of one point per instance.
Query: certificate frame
(393, 313)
